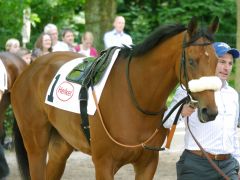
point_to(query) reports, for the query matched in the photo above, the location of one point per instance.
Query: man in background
(57, 45)
(117, 37)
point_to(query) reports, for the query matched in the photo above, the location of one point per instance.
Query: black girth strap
(86, 83)
(83, 98)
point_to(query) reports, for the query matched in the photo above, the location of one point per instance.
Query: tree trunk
(99, 16)
(237, 74)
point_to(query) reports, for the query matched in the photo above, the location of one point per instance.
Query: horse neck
(155, 74)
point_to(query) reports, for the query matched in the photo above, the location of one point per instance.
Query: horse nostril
(211, 115)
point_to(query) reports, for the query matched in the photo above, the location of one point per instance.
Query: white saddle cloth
(65, 94)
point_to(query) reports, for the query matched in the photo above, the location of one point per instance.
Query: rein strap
(110, 136)
(134, 100)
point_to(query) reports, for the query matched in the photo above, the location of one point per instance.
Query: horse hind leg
(34, 144)
(21, 152)
(58, 152)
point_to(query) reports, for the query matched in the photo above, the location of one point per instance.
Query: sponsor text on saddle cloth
(65, 94)
(3, 77)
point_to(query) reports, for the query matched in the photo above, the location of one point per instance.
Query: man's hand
(187, 110)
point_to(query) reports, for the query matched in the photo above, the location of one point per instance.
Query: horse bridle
(191, 42)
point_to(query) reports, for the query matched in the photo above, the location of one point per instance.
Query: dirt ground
(80, 167)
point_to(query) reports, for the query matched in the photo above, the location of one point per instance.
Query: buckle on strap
(220, 157)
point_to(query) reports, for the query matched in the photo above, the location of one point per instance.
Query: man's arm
(186, 111)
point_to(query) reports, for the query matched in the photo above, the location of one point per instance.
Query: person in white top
(57, 45)
(218, 137)
(117, 37)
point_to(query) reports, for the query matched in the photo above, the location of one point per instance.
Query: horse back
(37, 77)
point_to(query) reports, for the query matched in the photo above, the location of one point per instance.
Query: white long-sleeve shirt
(218, 136)
(60, 46)
(114, 38)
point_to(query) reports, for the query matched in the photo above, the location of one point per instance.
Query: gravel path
(80, 167)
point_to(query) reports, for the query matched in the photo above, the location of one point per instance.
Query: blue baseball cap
(222, 48)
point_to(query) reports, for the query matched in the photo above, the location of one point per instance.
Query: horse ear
(214, 26)
(192, 26)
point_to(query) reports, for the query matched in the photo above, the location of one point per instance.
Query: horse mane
(159, 35)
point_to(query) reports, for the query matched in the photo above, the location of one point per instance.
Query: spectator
(57, 45)
(86, 48)
(117, 37)
(35, 54)
(25, 54)
(68, 38)
(12, 45)
(43, 45)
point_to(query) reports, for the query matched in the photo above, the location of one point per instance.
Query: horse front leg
(104, 168)
(145, 167)
(59, 151)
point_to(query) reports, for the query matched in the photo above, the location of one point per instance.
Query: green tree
(143, 16)
(237, 74)
(9, 24)
(99, 16)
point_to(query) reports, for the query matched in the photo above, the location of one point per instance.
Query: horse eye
(191, 62)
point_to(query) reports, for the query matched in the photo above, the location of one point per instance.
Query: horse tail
(21, 152)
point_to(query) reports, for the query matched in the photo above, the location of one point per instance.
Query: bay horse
(131, 105)
(14, 66)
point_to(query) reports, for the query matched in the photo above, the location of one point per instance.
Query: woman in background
(86, 48)
(43, 45)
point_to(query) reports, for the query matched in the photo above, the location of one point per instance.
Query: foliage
(144, 16)
(60, 12)
(9, 24)
(8, 123)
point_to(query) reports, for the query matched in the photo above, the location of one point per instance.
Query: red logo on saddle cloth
(65, 91)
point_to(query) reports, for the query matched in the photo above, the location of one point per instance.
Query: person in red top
(86, 48)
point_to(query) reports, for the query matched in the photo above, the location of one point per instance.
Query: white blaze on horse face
(205, 83)
(206, 53)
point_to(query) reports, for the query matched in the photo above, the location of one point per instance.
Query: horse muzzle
(206, 114)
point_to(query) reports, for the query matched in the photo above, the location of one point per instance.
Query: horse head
(197, 69)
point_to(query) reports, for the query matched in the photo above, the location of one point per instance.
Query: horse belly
(68, 125)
